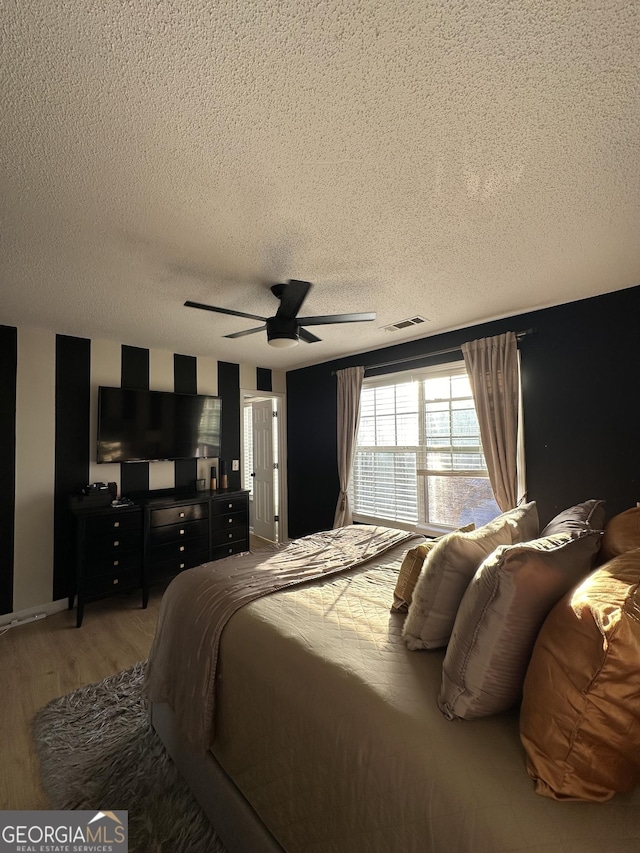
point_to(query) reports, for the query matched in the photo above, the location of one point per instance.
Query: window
(418, 456)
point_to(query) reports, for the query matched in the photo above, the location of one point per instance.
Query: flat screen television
(148, 426)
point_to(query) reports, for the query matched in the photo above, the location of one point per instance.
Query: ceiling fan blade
(246, 332)
(337, 318)
(308, 336)
(291, 296)
(189, 304)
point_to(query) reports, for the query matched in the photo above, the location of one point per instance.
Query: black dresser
(128, 548)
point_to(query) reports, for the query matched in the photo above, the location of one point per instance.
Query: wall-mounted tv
(148, 426)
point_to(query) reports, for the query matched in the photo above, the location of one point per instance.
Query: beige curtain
(494, 373)
(349, 387)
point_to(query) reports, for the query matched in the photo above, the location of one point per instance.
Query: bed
(326, 735)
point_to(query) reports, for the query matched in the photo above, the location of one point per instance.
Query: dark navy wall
(581, 408)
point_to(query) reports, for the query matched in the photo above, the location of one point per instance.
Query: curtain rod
(519, 336)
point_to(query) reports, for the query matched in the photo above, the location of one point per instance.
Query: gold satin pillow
(580, 715)
(409, 574)
(622, 533)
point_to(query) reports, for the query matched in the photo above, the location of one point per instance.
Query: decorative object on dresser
(108, 552)
(224, 478)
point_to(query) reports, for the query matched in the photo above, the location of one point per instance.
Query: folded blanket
(199, 602)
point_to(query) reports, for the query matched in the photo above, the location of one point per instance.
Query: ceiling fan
(285, 328)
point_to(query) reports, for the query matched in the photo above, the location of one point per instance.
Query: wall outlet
(235, 464)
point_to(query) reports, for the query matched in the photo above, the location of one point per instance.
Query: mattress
(329, 726)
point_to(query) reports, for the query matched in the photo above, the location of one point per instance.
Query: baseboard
(30, 612)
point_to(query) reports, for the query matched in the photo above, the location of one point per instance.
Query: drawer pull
(230, 506)
(231, 550)
(116, 542)
(116, 524)
(182, 565)
(230, 535)
(181, 515)
(115, 580)
(182, 533)
(182, 547)
(116, 562)
(230, 520)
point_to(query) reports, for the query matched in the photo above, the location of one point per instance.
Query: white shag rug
(97, 750)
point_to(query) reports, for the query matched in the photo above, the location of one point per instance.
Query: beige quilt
(330, 727)
(199, 602)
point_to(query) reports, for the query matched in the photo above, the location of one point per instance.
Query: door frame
(280, 397)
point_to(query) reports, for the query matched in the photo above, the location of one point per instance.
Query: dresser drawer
(198, 545)
(226, 505)
(178, 532)
(176, 514)
(173, 565)
(114, 542)
(101, 564)
(232, 534)
(104, 525)
(228, 521)
(112, 582)
(228, 549)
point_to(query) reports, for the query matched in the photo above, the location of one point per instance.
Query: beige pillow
(449, 568)
(410, 571)
(500, 616)
(580, 716)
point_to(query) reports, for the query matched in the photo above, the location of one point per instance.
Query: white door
(264, 508)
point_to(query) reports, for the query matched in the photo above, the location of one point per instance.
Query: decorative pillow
(584, 516)
(409, 574)
(410, 571)
(448, 569)
(621, 534)
(500, 616)
(580, 718)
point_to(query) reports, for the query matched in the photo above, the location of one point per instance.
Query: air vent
(405, 324)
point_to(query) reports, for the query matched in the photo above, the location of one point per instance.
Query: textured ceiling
(457, 160)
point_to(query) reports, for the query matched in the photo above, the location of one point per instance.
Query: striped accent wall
(48, 428)
(72, 446)
(8, 372)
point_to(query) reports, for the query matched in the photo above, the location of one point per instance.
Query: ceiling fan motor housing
(282, 329)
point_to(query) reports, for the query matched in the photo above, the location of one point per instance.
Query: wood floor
(42, 660)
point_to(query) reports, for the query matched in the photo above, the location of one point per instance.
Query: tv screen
(139, 426)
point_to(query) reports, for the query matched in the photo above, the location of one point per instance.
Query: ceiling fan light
(283, 343)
